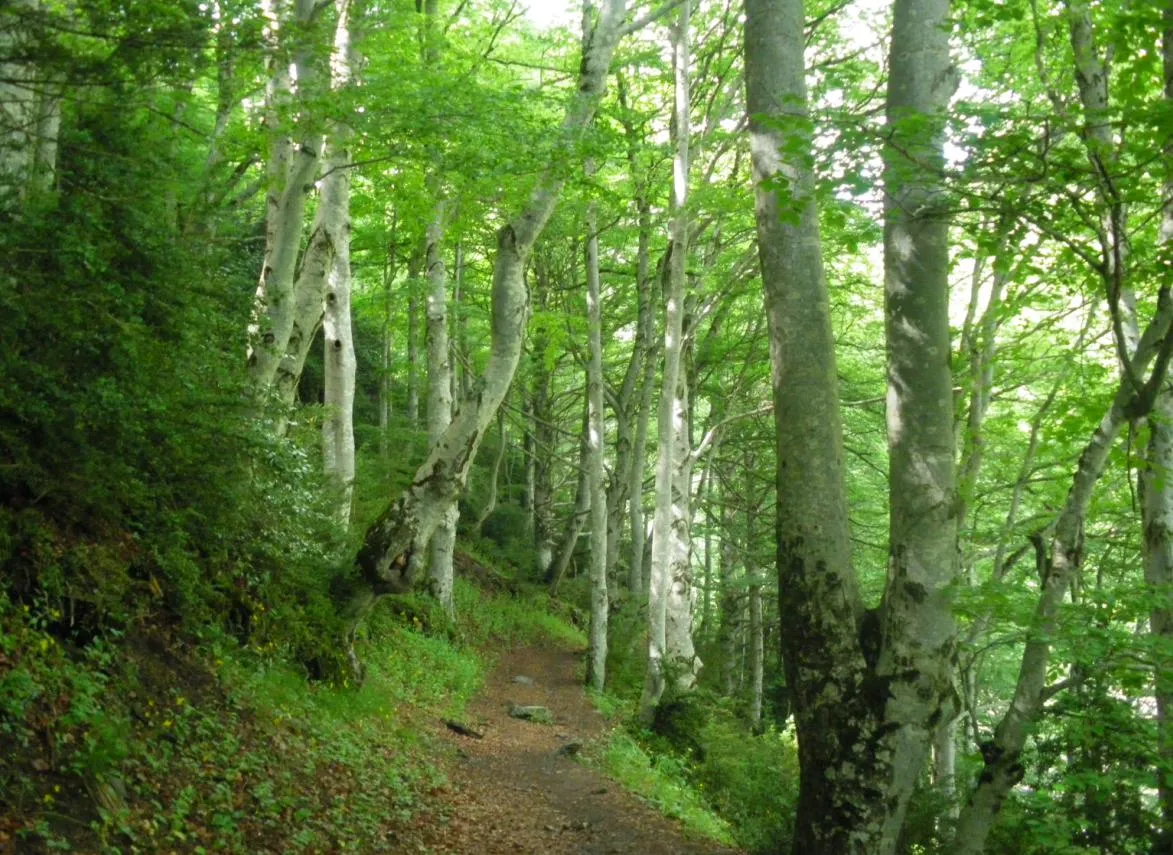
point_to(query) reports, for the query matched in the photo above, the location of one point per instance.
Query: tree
(670, 524)
(384, 562)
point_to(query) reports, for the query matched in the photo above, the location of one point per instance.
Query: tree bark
(384, 563)
(337, 338)
(385, 349)
(578, 517)
(1158, 505)
(679, 651)
(838, 811)
(919, 632)
(597, 635)
(674, 281)
(290, 172)
(439, 389)
(30, 112)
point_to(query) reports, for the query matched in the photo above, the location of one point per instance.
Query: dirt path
(513, 791)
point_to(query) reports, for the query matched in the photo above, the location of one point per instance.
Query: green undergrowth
(661, 780)
(700, 764)
(167, 740)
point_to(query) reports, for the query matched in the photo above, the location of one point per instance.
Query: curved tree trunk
(384, 563)
(290, 172)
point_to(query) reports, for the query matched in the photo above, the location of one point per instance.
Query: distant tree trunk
(385, 405)
(529, 453)
(679, 650)
(385, 563)
(338, 339)
(30, 111)
(730, 608)
(639, 567)
(674, 282)
(757, 652)
(578, 517)
(460, 336)
(597, 636)
(543, 437)
(413, 334)
(624, 495)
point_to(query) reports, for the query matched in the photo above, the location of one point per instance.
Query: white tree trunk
(659, 589)
(385, 562)
(679, 652)
(290, 172)
(918, 630)
(30, 112)
(439, 396)
(597, 638)
(337, 336)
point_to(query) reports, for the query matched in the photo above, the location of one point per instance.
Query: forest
(759, 411)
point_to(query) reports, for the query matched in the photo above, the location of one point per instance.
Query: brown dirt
(513, 792)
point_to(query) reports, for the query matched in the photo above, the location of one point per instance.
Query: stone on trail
(570, 748)
(539, 715)
(523, 681)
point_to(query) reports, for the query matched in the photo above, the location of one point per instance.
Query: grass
(662, 780)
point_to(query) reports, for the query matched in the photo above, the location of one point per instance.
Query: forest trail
(515, 791)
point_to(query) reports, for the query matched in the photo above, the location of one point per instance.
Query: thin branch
(649, 18)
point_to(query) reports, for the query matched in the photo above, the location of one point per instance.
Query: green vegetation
(145, 742)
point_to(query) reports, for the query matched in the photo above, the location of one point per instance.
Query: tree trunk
(385, 350)
(30, 112)
(639, 567)
(385, 561)
(659, 589)
(413, 335)
(439, 391)
(818, 594)
(919, 632)
(757, 652)
(495, 476)
(543, 438)
(679, 651)
(290, 173)
(597, 636)
(1158, 506)
(582, 507)
(460, 334)
(729, 608)
(338, 339)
